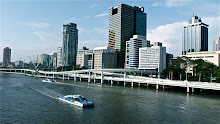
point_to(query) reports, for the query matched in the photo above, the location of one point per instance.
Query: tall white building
(195, 36)
(59, 57)
(216, 45)
(70, 44)
(132, 50)
(100, 57)
(152, 58)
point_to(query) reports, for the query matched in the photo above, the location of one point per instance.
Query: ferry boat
(77, 100)
(49, 80)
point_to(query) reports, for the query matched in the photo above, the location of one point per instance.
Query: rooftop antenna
(193, 13)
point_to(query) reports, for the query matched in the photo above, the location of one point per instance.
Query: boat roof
(74, 96)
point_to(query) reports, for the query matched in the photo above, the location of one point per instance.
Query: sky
(32, 27)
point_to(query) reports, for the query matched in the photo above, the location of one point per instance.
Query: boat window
(76, 99)
(84, 99)
(71, 98)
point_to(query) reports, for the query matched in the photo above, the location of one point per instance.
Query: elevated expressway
(116, 75)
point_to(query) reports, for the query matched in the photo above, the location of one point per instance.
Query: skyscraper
(6, 56)
(124, 22)
(195, 36)
(70, 44)
(216, 45)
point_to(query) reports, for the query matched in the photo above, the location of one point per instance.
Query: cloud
(214, 29)
(100, 15)
(45, 36)
(74, 20)
(83, 30)
(158, 3)
(171, 34)
(47, 42)
(38, 25)
(171, 3)
(101, 31)
(91, 44)
(95, 37)
(93, 5)
(176, 3)
(97, 30)
(86, 17)
(78, 19)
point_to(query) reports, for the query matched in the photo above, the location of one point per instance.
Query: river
(26, 99)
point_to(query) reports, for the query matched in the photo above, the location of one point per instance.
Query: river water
(26, 99)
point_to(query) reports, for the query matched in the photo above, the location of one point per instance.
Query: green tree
(216, 74)
(205, 69)
(201, 69)
(176, 69)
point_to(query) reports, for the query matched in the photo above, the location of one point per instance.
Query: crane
(35, 66)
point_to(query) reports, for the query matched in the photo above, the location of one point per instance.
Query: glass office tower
(195, 36)
(124, 22)
(70, 44)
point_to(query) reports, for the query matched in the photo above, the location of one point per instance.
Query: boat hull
(80, 104)
(72, 102)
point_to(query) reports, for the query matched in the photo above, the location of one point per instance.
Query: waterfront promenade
(116, 76)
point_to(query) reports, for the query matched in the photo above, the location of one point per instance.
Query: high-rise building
(132, 50)
(195, 36)
(6, 57)
(169, 59)
(70, 44)
(152, 58)
(124, 22)
(216, 45)
(100, 57)
(51, 59)
(59, 57)
(43, 59)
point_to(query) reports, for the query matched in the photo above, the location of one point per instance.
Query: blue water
(26, 99)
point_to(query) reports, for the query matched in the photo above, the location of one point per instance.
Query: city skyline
(33, 35)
